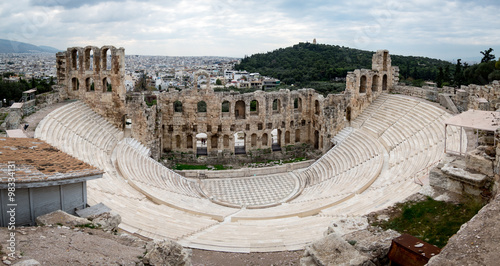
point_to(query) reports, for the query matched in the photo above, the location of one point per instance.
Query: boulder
(12, 120)
(333, 250)
(372, 243)
(167, 252)
(60, 218)
(106, 221)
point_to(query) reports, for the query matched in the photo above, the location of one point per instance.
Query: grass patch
(430, 220)
(89, 225)
(198, 167)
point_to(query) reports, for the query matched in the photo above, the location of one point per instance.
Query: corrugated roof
(36, 161)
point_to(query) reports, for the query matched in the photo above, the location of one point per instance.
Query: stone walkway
(251, 191)
(36, 117)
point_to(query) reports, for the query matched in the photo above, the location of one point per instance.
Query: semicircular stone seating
(392, 144)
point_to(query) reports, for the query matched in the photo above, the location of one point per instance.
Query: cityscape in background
(160, 72)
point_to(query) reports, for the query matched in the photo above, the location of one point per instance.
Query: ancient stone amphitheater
(378, 161)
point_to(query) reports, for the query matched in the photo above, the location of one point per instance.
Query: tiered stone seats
(393, 142)
(163, 185)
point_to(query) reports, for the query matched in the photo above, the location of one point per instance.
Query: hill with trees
(304, 63)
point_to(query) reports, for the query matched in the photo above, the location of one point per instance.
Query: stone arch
(225, 107)
(264, 140)
(105, 55)
(89, 84)
(375, 83)
(189, 142)
(75, 84)
(201, 107)
(316, 107)
(316, 139)
(106, 85)
(214, 141)
(362, 84)
(225, 141)
(201, 73)
(74, 59)
(276, 139)
(297, 135)
(287, 137)
(297, 104)
(178, 141)
(384, 82)
(384, 61)
(178, 107)
(254, 107)
(88, 58)
(239, 142)
(201, 144)
(276, 105)
(239, 109)
(253, 140)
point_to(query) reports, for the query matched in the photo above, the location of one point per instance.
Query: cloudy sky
(442, 29)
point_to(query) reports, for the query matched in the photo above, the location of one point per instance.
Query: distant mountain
(8, 46)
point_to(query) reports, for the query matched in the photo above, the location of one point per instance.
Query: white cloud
(237, 28)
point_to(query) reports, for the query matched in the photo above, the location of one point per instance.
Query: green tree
(458, 77)
(218, 82)
(487, 56)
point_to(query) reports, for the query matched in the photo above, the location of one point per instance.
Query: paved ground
(35, 118)
(250, 191)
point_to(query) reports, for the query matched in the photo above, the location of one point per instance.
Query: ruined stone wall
(96, 76)
(298, 116)
(364, 85)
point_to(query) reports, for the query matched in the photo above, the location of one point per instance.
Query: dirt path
(36, 117)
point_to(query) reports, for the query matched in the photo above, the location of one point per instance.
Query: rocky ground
(61, 245)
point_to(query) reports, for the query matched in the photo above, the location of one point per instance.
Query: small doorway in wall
(201, 144)
(276, 139)
(239, 142)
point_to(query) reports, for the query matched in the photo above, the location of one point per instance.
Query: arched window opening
(202, 107)
(375, 83)
(226, 141)
(253, 140)
(178, 141)
(225, 107)
(297, 104)
(316, 107)
(106, 85)
(177, 107)
(214, 141)
(254, 107)
(189, 142)
(264, 140)
(297, 135)
(89, 84)
(362, 86)
(74, 59)
(75, 84)
(384, 83)
(276, 105)
(239, 110)
(287, 137)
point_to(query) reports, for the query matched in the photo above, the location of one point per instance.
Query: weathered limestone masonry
(299, 117)
(363, 85)
(96, 76)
